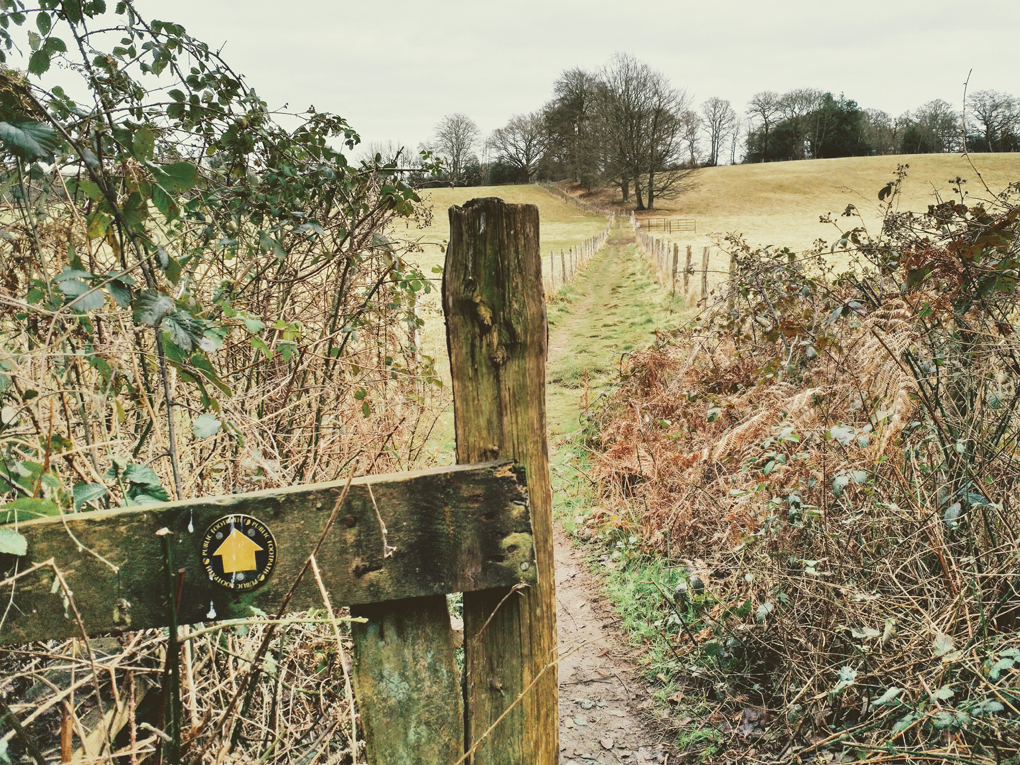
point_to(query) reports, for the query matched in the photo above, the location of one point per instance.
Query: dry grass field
(780, 203)
(562, 225)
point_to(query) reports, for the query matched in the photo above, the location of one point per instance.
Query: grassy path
(612, 309)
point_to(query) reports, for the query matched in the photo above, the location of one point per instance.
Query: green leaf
(943, 694)
(12, 543)
(989, 707)
(87, 492)
(942, 644)
(43, 22)
(269, 244)
(205, 426)
(29, 140)
(27, 508)
(151, 307)
(258, 344)
(165, 203)
(142, 475)
(184, 330)
(97, 224)
(120, 292)
(144, 143)
(887, 698)
(39, 62)
(179, 176)
(903, 723)
(81, 295)
(254, 326)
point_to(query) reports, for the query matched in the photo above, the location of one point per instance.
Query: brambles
(835, 458)
(195, 301)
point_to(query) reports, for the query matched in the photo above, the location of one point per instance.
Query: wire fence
(580, 204)
(574, 259)
(664, 258)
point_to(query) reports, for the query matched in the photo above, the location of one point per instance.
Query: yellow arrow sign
(237, 552)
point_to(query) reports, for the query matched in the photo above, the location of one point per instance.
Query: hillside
(780, 203)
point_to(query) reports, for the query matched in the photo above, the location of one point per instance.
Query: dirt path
(605, 711)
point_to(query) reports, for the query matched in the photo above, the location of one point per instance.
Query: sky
(393, 69)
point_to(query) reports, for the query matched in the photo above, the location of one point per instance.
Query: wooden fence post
(676, 261)
(563, 266)
(687, 271)
(552, 270)
(731, 298)
(704, 274)
(497, 339)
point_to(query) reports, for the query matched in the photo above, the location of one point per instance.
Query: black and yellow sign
(239, 552)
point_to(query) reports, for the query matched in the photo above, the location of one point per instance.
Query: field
(780, 203)
(562, 225)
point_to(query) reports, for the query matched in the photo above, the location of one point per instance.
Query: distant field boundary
(580, 204)
(669, 225)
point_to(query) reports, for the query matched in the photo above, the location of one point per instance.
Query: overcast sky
(395, 68)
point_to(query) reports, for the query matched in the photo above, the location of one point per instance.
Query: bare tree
(455, 138)
(881, 131)
(521, 143)
(640, 115)
(737, 132)
(764, 106)
(796, 108)
(691, 123)
(718, 119)
(998, 118)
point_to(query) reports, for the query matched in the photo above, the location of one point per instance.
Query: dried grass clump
(841, 493)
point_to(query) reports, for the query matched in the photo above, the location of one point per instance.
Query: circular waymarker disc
(239, 552)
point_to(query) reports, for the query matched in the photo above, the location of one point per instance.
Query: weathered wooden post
(731, 297)
(563, 266)
(704, 274)
(676, 261)
(687, 271)
(497, 340)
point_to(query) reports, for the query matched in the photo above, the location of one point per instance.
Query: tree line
(628, 126)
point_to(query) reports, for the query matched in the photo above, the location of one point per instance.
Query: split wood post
(731, 297)
(497, 340)
(687, 271)
(704, 274)
(676, 261)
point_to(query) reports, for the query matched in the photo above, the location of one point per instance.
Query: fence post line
(563, 266)
(552, 270)
(497, 338)
(731, 298)
(676, 261)
(687, 271)
(704, 273)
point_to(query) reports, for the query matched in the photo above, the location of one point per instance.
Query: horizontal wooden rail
(432, 532)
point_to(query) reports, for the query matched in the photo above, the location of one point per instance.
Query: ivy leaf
(29, 139)
(12, 543)
(151, 307)
(87, 492)
(205, 426)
